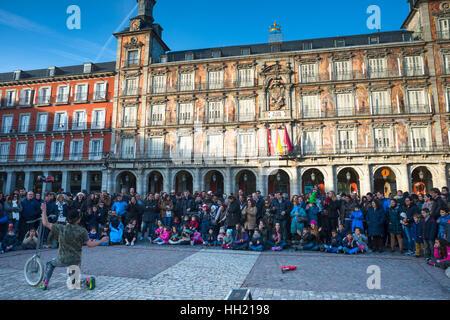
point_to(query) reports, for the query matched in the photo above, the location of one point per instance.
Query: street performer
(71, 238)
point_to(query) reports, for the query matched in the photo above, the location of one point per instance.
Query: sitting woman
(30, 241)
(276, 242)
(441, 255)
(308, 242)
(241, 239)
(159, 229)
(256, 243)
(174, 236)
(185, 236)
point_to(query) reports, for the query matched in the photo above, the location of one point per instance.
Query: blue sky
(34, 35)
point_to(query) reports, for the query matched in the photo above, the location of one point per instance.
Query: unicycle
(34, 268)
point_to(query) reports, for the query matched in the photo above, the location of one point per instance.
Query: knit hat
(10, 226)
(403, 215)
(230, 231)
(313, 222)
(222, 230)
(313, 198)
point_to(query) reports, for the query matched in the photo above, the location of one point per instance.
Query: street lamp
(421, 174)
(127, 179)
(313, 177)
(155, 178)
(245, 177)
(214, 178)
(278, 177)
(348, 176)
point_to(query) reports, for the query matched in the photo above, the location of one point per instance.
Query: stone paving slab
(344, 274)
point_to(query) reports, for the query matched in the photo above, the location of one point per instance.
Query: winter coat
(228, 240)
(119, 207)
(430, 229)
(333, 209)
(165, 206)
(393, 219)
(336, 242)
(133, 211)
(101, 215)
(188, 203)
(346, 210)
(438, 257)
(255, 240)
(280, 206)
(417, 230)
(241, 236)
(234, 214)
(298, 222)
(250, 217)
(438, 205)
(308, 238)
(447, 232)
(149, 215)
(357, 220)
(31, 209)
(10, 209)
(165, 236)
(350, 244)
(442, 224)
(313, 214)
(375, 222)
(410, 212)
(116, 234)
(361, 240)
(9, 240)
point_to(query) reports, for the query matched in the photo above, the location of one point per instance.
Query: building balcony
(197, 86)
(443, 35)
(33, 159)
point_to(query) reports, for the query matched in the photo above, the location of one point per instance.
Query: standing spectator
(119, 207)
(166, 208)
(417, 232)
(31, 211)
(132, 210)
(149, 218)
(333, 206)
(249, 213)
(233, 215)
(429, 233)
(394, 225)
(375, 225)
(280, 209)
(13, 209)
(347, 207)
(438, 203)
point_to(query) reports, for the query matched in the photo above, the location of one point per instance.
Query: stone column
(65, 181)
(294, 182)
(330, 179)
(196, 183)
(261, 184)
(10, 182)
(365, 182)
(441, 179)
(46, 187)
(140, 182)
(403, 181)
(105, 178)
(85, 180)
(227, 181)
(28, 183)
(167, 181)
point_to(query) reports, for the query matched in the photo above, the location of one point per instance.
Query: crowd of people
(417, 224)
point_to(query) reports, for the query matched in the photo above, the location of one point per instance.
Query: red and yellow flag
(279, 147)
(269, 142)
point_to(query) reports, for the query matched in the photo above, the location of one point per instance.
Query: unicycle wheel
(34, 271)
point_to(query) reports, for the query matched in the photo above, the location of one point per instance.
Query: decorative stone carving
(276, 70)
(135, 25)
(216, 98)
(249, 65)
(186, 99)
(133, 44)
(342, 56)
(407, 52)
(246, 96)
(211, 68)
(160, 72)
(377, 54)
(276, 93)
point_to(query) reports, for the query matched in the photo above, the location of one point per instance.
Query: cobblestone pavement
(152, 272)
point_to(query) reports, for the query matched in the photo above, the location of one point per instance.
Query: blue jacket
(357, 220)
(31, 209)
(313, 214)
(417, 230)
(386, 203)
(116, 235)
(9, 240)
(442, 225)
(119, 207)
(336, 242)
(375, 222)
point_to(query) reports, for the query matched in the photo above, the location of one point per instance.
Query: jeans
(351, 251)
(408, 239)
(348, 224)
(212, 243)
(271, 244)
(429, 247)
(240, 246)
(55, 263)
(257, 248)
(420, 247)
(311, 246)
(167, 222)
(332, 249)
(145, 226)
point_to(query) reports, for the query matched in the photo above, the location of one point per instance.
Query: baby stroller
(116, 233)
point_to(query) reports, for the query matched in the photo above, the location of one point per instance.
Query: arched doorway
(3, 178)
(20, 180)
(75, 182)
(348, 181)
(311, 178)
(384, 181)
(155, 182)
(422, 180)
(183, 182)
(126, 180)
(279, 182)
(95, 183)
(245, 181)
(214, 182)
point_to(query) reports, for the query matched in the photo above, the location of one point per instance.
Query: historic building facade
(356, 113)
(55, 122)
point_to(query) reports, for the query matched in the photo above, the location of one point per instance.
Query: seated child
(196, 238)
(193, 224)
(441, 257)
(185, 236)
(177, 223)
(30, 241)
(335, 245)
(349, 244)
(93, 234)
(361, 241)
(210, 239)
(103, 234)
(256, 243)
(159, 230)
(164, 237)
(241, 239)
(308, 241)
(206, 224)
(220, 236)
(417, 234)
(175, 235)
(9, 242)
(116, 227)
(228, 240)
(130, 234)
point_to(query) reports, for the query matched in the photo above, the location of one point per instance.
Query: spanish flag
(279, 147)
(287, 140)
(269, 141)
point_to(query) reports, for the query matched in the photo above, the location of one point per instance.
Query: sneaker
(141, 239)
(127, 244)
(90, 282)
(149, 238)
(192, 242)
(132, 243)
(44, 286)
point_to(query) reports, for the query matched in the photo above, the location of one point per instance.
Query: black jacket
(430, 230)
(150, 213)
(234, 214)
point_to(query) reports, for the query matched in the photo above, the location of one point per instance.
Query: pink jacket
(165, 236)
(436, 254)
(159, 231)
